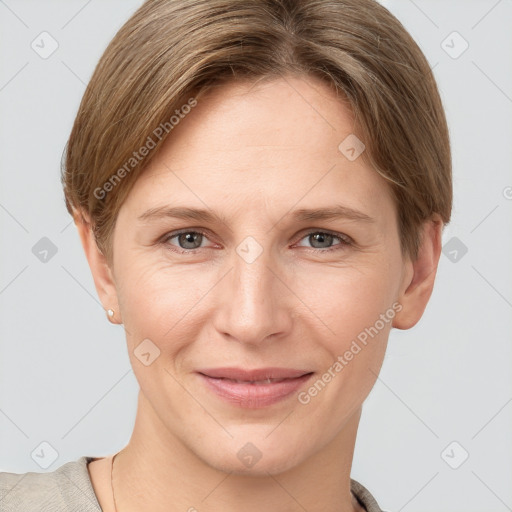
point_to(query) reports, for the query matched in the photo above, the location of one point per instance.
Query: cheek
(354, 312)
(160, 303)
(358, 312)
(347, 300)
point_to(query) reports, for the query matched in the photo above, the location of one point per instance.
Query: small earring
(110, 313)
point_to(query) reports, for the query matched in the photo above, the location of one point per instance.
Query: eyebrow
(303, 214)
(335, 212)
(179, 212)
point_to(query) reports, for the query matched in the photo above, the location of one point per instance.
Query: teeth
(266, 381)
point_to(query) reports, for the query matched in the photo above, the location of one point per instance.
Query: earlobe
(100, 269)
(419, 278)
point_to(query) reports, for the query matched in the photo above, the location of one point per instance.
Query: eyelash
(345, 241)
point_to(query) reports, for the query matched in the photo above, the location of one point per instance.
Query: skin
(254, 153)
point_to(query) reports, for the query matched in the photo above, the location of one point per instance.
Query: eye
(323, 240)
(187, 241)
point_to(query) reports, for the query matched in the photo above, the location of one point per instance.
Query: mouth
(254, 388)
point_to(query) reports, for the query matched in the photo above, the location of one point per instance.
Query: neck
(179, 480)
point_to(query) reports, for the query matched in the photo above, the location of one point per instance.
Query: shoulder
(364, 497)
(66, 488)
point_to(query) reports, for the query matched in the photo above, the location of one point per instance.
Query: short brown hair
(170, 52)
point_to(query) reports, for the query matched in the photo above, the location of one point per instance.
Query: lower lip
(254, 396)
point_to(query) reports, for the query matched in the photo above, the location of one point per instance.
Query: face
(262, 278)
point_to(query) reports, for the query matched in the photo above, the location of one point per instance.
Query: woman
(260, 189)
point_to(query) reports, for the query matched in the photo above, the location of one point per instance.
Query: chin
(254, 458)
(274, 465)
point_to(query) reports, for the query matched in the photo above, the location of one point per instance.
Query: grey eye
(324, 240)
(189, 240)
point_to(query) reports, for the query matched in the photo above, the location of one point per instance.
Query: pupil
(189, 238)
(321, 238)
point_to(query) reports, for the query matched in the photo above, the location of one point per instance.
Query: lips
(256, 375)
(253, 388)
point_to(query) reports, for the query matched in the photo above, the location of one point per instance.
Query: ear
(419, 275)
(101, 271)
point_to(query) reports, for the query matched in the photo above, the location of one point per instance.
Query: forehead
(261, 144)
(286, 114)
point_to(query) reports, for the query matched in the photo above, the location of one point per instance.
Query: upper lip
(253, 375)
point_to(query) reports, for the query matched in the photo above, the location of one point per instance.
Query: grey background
(65, 378)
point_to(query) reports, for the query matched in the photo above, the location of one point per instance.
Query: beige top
(69, 488)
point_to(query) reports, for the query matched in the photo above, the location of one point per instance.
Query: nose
(256, 305)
